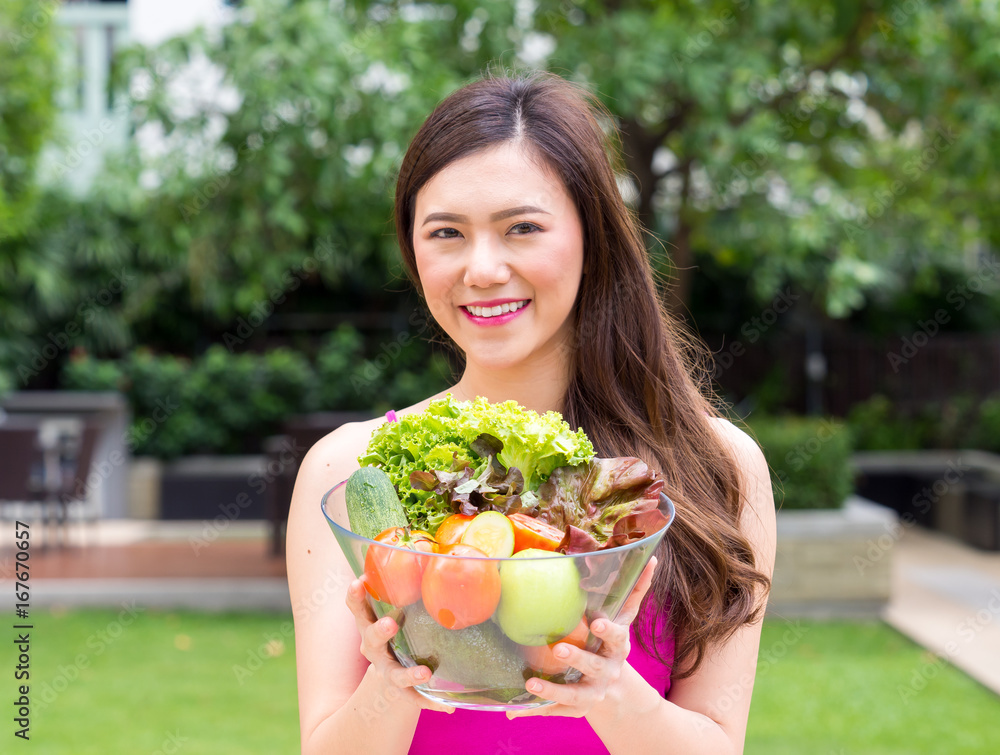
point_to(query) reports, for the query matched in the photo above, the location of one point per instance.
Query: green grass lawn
(201, 683)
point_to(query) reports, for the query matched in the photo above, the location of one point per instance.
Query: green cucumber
(372, 503)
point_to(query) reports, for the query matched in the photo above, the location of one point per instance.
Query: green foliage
(768, 144)
(799, 143)
(227, 403)
(78, 281)
(28, 59)
(809, 460)
(959, 422)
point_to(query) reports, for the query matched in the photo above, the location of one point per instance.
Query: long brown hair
(638, 385)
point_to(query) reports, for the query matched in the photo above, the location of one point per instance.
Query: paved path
(946, 597)
(161, 564)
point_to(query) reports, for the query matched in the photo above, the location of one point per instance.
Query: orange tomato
(530, 532)
(452, 529)
(543, 658)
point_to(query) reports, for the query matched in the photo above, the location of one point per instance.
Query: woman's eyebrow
(450, 217)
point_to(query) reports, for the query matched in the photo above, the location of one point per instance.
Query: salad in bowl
(490, 533)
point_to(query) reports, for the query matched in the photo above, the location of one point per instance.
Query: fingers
(357, 603)
(570, 699)
(607, 661)
(375, 638)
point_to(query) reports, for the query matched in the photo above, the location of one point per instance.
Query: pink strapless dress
(469, 732)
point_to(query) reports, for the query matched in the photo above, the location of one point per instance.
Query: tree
(27, 107)
(840, 146)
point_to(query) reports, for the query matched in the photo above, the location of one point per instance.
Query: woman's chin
(495, 360)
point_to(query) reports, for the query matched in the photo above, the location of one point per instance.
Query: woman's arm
(708, 711)
(346, 703)
(705, 713)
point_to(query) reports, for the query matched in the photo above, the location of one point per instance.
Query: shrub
(809, 460)
(225, 403)
(958, 422)
(985, 433)
(876, 426)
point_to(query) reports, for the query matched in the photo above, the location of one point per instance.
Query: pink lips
(503, 319)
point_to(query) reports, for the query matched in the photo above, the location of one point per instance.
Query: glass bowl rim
(616, 549)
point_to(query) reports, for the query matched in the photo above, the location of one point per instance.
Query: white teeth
(498, 310)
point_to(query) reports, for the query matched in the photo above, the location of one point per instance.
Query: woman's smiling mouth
(494, 312)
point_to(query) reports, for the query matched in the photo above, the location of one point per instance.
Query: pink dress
(487, 733)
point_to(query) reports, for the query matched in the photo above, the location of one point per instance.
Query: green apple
(541, 600)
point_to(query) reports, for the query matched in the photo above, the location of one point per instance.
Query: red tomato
(460, 592)
(451, 529)
(423, 541)
(393, 576)
(530, 532)
(543, 658)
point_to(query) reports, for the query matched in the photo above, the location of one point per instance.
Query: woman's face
(499, 252)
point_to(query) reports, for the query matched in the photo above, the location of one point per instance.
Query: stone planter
(834, 563)
(955, 492)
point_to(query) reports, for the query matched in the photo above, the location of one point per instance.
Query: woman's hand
(375, 636)
(602, 671)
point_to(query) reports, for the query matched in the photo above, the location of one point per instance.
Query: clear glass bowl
(482, 648)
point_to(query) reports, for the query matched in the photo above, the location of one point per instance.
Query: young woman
(513, 230)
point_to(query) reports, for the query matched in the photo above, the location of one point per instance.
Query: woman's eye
(522, 228)
(445, 233)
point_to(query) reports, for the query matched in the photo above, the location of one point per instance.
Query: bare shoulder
(341, 447)
(739, 442)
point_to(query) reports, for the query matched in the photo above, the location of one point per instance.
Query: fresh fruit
(492, 533)
(542, 657)
(451, 529)
(460, 592)
(541, 599)
(530, 532)
(393, 576)
(372, 503)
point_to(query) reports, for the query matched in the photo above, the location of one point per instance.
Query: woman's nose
(485, 265)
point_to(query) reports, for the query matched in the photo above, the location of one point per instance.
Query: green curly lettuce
(442, 436)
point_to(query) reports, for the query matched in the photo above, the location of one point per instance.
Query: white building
(90, 34)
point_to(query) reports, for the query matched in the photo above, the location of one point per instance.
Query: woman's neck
(541, 390)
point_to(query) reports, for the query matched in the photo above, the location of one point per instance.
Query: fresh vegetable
(393, 575)
(531, 532)
(460, 592)
(492, 533)
(543, 658)
(477, 655)
(452, 529)
(372, 503)
(470, 490)
(471, 457)
(541, 599)
(442, 436)
(603, 504)
(533, 443)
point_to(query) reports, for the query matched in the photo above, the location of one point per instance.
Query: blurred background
(199, 279)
